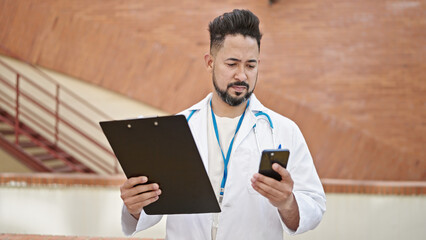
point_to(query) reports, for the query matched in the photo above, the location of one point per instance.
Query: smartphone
(270, 157)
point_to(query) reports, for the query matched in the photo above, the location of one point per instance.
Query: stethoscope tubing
(258, 114)
(272, 133)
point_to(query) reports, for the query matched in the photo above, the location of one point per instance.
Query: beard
(226, 97)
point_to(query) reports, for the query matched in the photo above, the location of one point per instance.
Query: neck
(222, 109)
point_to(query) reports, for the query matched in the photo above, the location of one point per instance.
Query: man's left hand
(279, 194)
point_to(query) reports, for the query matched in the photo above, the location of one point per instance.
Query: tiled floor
(47, 237)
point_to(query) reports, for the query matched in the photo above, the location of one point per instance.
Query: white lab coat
(245, 213)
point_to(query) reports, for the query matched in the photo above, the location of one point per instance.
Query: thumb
(285, 175)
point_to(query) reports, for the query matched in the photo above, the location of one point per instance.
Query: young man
(232, 119)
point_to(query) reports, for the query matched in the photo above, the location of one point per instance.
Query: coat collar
(246, 127)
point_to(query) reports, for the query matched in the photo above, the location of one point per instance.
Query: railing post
(17, 110)
(57, 115)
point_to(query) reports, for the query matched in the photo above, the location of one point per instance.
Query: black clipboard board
(163, 149)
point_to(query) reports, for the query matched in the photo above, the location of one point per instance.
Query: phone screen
(270, 157)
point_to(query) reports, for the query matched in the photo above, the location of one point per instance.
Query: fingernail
(144, 179)
(156, 186)
(158, 192)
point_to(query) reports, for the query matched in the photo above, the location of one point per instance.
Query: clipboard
(164, 150)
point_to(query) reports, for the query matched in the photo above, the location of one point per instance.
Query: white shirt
(245, 213)
(226, 129)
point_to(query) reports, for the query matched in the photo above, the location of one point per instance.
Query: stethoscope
(271, 127)
(259, 117)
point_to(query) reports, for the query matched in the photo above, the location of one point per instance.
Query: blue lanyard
(228, 154)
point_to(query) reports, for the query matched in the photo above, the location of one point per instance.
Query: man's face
(235, 69)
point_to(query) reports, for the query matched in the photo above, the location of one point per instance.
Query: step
(34, 134)
(44, 156)
(4, 113)
(7, 131)
(49, 156)
(62, 169)
(8, 119)
(28, 144)
(82, 168)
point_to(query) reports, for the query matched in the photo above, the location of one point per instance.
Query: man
(231, 128)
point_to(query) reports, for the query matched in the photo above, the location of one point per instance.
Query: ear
(208, 60)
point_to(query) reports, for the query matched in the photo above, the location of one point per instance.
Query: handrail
(41, 124)
(55, 98)
(65, 140)
(86, 103)
(50, 95)
(68, 141)
(53, 81)
(28, 96)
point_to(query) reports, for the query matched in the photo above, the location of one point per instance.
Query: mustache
(238, 84)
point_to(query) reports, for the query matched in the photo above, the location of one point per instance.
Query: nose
(241, 75)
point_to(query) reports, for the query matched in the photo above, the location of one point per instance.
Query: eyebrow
(238, 60)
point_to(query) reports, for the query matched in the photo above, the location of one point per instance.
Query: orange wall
(350, 73)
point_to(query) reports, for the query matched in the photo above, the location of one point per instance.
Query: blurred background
(351, 74)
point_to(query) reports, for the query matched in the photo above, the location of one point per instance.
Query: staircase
(35, 151)
(46, 133)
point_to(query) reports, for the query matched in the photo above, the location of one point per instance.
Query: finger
(267, 180)
(131, 182)
(138, 190)
(136, 208)
(144, 188)
(141, 198)
(265, 194)
(268, 191)
(272, 186)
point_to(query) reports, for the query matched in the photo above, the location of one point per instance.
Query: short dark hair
(238, 21)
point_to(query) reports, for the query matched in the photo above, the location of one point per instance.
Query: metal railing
(58, 113)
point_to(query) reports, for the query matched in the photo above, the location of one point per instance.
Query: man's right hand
(137, 197)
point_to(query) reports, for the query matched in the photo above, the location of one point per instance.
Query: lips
(239, 88)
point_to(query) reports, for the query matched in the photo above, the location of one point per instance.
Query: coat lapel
(198, 125)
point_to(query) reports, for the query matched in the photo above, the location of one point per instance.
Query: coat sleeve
(131, 225)
(307, 188)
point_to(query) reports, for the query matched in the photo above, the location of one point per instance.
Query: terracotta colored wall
(350, 73)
